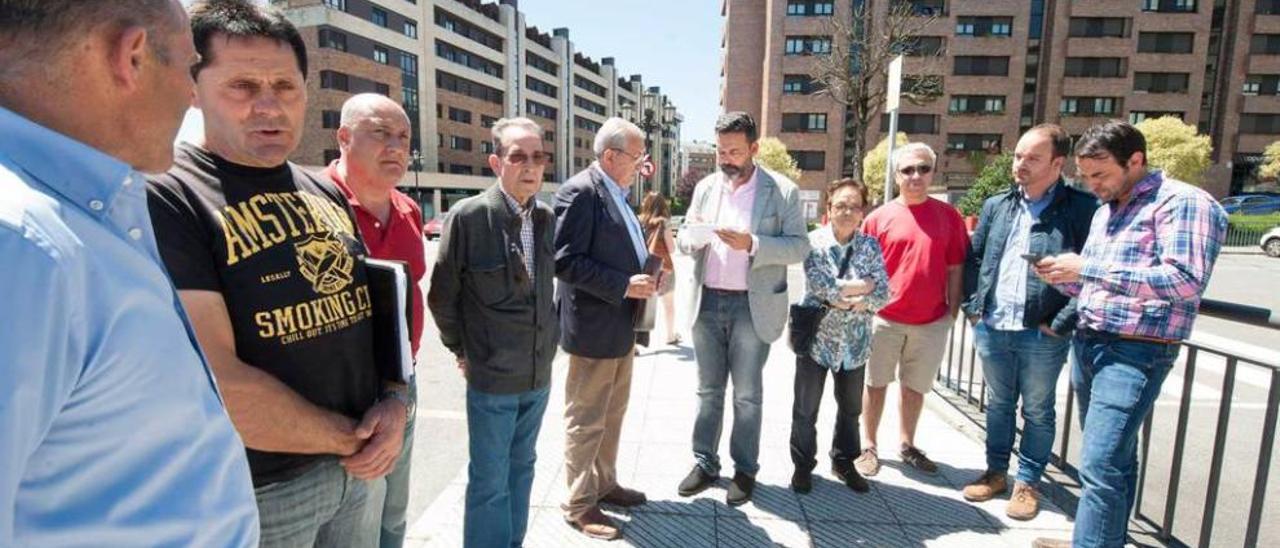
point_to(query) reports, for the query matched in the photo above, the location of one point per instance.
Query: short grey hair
(913, 148)
(501, 126)
(613, 134)
(35, 31)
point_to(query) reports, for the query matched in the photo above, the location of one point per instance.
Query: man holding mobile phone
(1020, 322)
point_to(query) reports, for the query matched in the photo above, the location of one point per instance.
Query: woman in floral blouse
(842, 344)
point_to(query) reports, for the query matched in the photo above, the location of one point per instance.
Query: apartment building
(697, 156)
(1006, 65)
(458, 66)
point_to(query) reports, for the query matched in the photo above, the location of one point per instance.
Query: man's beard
(731, 171)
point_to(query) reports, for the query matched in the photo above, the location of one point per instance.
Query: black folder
(389, 293)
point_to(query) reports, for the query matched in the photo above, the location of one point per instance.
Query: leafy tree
(773, 155)
(875, 164)
(1270, 168)
(1174, 146)
(684, 190)
(996, 177)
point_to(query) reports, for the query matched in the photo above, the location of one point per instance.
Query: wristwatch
(410, 406)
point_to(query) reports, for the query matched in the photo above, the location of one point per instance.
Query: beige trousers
(596, 393)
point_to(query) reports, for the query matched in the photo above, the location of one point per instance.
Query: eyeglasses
(922, 169)
(520, 158)
(634, 159)
(845, 209)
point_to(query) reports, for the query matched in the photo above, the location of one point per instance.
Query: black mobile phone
(1033, 258)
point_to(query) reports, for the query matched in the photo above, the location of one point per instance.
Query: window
(541, 63)
(538, 109)
(1169, 6)
(410, 29)
(810, 7)
(984, 26)
(381, 55)
(382, 89)
(379, 17)
(922, 46)
(1262, 84)
(808, 45)
(1267, 7)
(810, 160)
(1161, 82)
(590, 86)
(333, 80)
(1099, 27)
(1096, 67)
(410, 101)
(981, 66)
(449, 52)
(926, 7)
(804, 123)
(798, 84)
(330, 38)
(966, 142)
(1268, 44)
(589, 106)
(583, 123)
(453, 24)
(541, 87)
(336, 4)
(486, 147)
(459, 143)
(330, 155)
(1260, 124)
(330, 119)
(458, 84)
(912, 123)
(408, 64)
(976, 104)
(550, 137)
(1089, 106)
(459, 115)
(459, 169)
(1140, 115)
(1165, 42)
(487, 121)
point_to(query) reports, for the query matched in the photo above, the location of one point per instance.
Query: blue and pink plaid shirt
(1147, 263)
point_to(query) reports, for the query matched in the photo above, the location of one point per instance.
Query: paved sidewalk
(904, 508)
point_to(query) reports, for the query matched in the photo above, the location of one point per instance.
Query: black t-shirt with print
(282, 248)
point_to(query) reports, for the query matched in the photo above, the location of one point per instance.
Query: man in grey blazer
(751, 229)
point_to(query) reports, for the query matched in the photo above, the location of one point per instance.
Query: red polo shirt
(400, 239)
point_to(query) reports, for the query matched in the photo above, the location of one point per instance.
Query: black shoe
(696, 482)
(740, 489)
(916, 458)
(849, 475)
(802, 481)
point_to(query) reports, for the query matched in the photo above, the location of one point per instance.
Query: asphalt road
(441, 453)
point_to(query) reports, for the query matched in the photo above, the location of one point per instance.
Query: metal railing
(961, 377)
(1247, 231)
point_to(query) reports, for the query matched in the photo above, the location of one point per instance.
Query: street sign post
(891, 103)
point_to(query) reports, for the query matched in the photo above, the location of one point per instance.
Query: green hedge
(1246, 230)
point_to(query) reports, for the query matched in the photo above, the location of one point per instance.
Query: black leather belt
(710, 289)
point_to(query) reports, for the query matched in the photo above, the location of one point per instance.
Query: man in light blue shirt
(111, 428)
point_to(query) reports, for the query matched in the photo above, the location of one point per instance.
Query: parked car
(1251, 204)
(1271, 242)
(433, 228)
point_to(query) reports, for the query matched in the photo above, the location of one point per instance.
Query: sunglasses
(520, 158)
(912, 170)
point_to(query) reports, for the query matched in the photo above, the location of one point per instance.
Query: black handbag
(805, 318)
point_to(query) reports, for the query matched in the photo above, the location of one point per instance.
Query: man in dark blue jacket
(600, 255)
(1020, 322)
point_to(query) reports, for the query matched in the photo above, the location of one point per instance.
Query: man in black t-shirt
(266, 259)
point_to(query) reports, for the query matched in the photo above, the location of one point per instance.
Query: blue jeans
(396, 502)
(1026, 364)
(1116, 381)
(726, 346)
(503, 431)
(323, 507)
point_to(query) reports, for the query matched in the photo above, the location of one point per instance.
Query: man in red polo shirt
(374, 140)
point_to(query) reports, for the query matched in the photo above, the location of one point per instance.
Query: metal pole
(888, 159)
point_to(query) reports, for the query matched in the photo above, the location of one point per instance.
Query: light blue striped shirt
(619, 196)
(111, 429)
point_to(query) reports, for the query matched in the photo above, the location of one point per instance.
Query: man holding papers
(373, 138)
(491, 295)
(739, 296)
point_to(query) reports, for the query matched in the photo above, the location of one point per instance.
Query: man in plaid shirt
(1139, 280)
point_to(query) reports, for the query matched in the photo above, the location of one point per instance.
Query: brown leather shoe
(1043, 542)
(1025, 502)
(596, 525)
(626, 498)
(986, 487)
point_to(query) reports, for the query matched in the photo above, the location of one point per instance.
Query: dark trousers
(810, 381)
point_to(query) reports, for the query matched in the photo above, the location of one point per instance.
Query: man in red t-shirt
(374, 142)
(924, 244)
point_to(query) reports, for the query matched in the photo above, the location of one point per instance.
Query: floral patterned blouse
(843, 341)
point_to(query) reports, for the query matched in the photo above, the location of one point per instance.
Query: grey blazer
(778, 224)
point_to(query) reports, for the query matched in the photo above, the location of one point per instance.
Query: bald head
(374, 141)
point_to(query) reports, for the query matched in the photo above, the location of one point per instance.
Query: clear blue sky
(674, 44)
